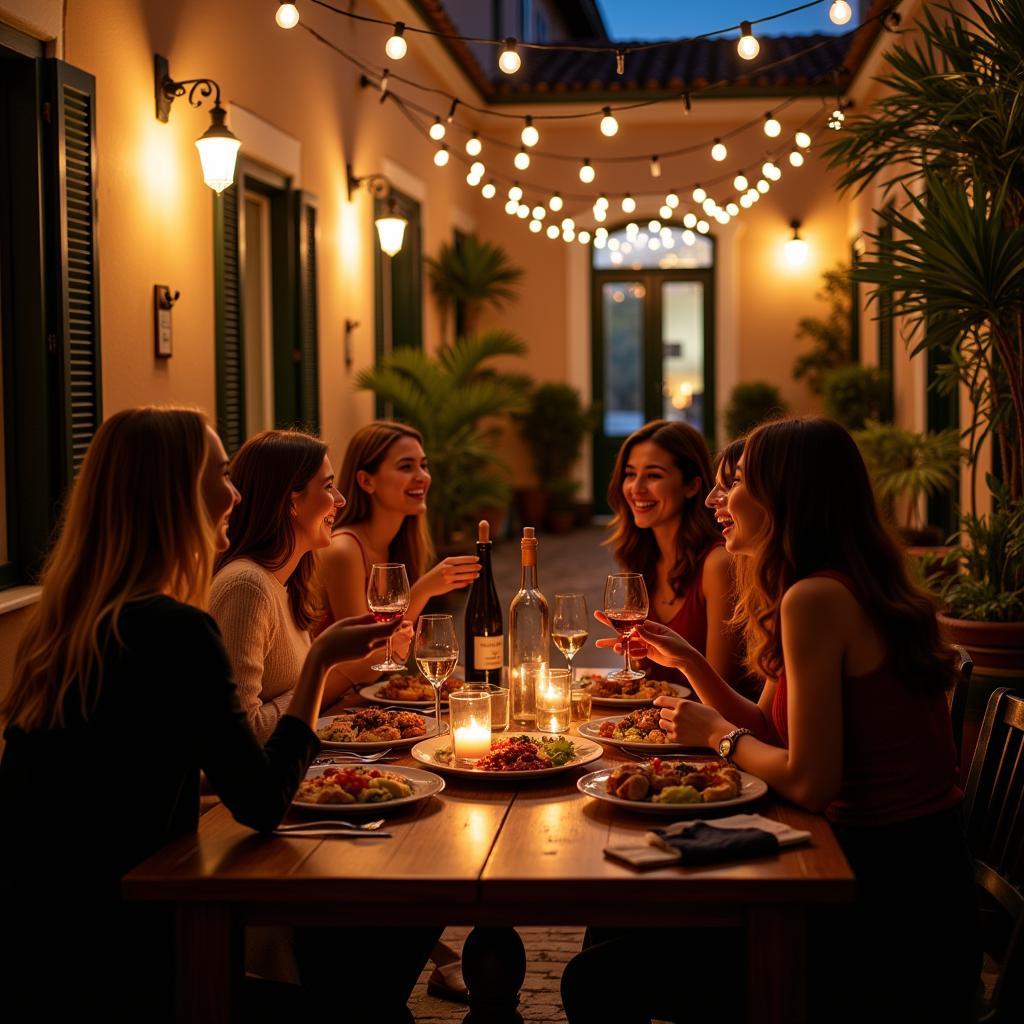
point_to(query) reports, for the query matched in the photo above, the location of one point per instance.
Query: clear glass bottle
(529, 633)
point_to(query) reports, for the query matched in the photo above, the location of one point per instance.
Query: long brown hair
(636, 549)
(267, 470)
(366, 451)
(821, 514)
(135, 525)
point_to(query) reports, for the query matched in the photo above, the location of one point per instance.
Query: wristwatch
(727, 744)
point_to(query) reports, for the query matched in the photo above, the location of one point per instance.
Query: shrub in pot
(854, 394)
(750, 404)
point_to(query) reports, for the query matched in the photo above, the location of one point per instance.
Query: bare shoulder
(717, 571)
(342, 554)
(819, 599)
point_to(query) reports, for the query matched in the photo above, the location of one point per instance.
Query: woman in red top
(663, 530)
(853, 718)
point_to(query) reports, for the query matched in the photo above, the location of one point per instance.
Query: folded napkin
(737, 837)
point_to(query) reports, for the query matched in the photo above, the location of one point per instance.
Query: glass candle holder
(499, 702)
(553, 701)
(581, 705)
(470, 712)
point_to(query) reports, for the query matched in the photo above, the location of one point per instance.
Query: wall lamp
(218, 148)
(391, 226)
(796, 247)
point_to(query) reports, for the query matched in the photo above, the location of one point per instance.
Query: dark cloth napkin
(701, 843)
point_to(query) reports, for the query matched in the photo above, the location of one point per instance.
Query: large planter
(997, 649)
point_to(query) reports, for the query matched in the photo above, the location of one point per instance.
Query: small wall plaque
(163, 301)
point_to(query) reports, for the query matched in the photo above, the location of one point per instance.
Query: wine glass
(625, 604)
(387, 596)
(570, 627)
(437, 653)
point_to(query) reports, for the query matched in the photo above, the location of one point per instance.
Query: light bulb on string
(665, 212)
(840, 12)
(583, 238)
(441, 156)
(509, 60)
(748, 47)
(474, 147)
(472, 179)
(489, 191)
(690, 220)
(396, 47)
(552, 231)
(515, 192)
(745, 201)
(437, 130)
(796, 158)
(529, 136)
(802, 139)
(753, 195)
(655, 167)
(522, 159)
(722, 217)
(654, 225)
(709, 205)
(672, 200)
(555, 203)
(772, 128)
(732, 209)
(628, 204)
(587, 172)
(522, 211)
(740, 183)
(609, 126)
(718, 151)
(536, 226)
(539, 213)
(699, 195)
(688, 237)
(835, 121)
(287, 15)
(478, 169)
(601, 201)
(770, 171)
(703, 227)
(763, 186)
(600, 241)
(511, 206)
(600, 214)
(568, 236)
(568, 224)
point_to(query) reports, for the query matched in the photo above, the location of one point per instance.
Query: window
(49, 336)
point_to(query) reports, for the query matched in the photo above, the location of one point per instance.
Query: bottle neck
(528, 580)
(483, 552)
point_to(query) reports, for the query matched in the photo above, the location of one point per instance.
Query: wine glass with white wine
(437, 654)
(570, 627)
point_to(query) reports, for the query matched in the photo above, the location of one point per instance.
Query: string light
(628, 204)
(601, 201)
(840, 12)
(665, 212)
(600, 214)
(709, 205)
(654, 225)
(539, 213)
(740, 183)
(522, 211)
(609, 126)
(655, 167)
(396, 47)
(732, 209)
(718, 151)
(703, 227)
(620, 62)
(522, 159)
(511, 207)
(763, 186)
(536, 226)
(451, 111)
(584, 238)
(568, 236)
(672, 200)
(474, 147)
(770, 171)
(437, 130)
(441, 156)
(555, 203)
(748, 47)
(745, 201)
(587, 172)
(552, 231)
(796, 158)
(489, 191)
(699, 195)
(802, 139)
(529, 135)
(515, 192)
(477, 169)
(690, 220)
(689, 238)
(835, 122)
(772, 128)
(287, 15)
(568, 224)
(472, 179)
(509, 60)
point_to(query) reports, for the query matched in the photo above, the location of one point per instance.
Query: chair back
(956, 696)
(994, 810)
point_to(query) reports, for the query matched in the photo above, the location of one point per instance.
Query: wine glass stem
(437, 709)
(572, 674)
(625, 652)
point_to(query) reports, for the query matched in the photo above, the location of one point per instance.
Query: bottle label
(488, 651)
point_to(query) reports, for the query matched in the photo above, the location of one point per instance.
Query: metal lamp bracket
(376, 184)
(166, 89)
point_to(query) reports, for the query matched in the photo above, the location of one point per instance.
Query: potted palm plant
(946, 141)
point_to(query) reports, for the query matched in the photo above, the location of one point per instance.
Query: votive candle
(553, 700)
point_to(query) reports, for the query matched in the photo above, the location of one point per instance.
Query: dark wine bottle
(485, 640)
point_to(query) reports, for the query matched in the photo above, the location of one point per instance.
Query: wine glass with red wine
(625, 604)
(387, 596)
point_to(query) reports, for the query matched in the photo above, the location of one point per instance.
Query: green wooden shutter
(306, 308)
(74, 301)
(230, 340)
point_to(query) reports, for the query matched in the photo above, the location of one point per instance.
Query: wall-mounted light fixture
(796, 247)
(391, 226)
(218, 148)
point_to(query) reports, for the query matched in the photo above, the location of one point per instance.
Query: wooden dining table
(492, 855)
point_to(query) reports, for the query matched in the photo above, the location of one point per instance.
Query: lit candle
(472, 740)
(553, 701)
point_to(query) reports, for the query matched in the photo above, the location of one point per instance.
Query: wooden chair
(994, 809)
(956, 695)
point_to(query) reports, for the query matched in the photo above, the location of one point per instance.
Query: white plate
(424, 784)
(586, 751)
(627, 702)
(751, 788)
(372, 694)
(365, 748)
(590, 730)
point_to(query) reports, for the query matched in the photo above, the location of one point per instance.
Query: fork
(366, 826)
(346, 756)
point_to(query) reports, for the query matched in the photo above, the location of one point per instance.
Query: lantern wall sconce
(218, 147)
(391, 226)
(796, 247)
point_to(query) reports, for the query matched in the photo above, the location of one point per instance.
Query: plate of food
(677, 788)
(407, 689)
(355, 787)
(367, 729)
(638, 730)
(629, 693)
(522, 756)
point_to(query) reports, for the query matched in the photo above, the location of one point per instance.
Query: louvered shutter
(74, 332)
(230, 340)
(306, 308)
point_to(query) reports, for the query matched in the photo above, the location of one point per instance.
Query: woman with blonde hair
(122, 692)
(385, 480)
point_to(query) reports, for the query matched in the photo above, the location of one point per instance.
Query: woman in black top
(122, 692)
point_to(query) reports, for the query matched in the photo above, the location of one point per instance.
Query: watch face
(725, 747)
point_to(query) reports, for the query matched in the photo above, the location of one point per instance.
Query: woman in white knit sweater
(263, 596)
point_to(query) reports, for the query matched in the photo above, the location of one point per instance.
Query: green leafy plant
(750, 404)
(553, 428)
(905, 464)
(988, 584)
(446, 397)
(854, 394)
(472, 273)
(830, 336)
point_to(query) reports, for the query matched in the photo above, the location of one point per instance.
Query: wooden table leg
(776, 961)
(209, 962)
(494, 966)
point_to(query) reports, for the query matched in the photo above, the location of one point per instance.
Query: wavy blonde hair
(135, 525)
